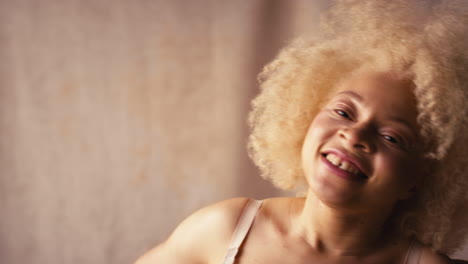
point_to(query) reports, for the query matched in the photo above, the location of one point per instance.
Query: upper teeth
(342, 164)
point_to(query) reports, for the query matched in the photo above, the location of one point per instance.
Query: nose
(358, 136)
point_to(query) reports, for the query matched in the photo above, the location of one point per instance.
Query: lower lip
(341, 173)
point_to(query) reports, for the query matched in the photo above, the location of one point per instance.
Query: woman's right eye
(342, 113)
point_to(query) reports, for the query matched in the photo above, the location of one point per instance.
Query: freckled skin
(378, 127)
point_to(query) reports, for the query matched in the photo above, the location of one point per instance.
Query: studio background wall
(120, 118)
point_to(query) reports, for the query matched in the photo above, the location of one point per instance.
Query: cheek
(316, 135)
(309, 148)
(399, 170)
(320, 127)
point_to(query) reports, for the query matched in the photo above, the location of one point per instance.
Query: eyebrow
(352, 94)
(404, 123)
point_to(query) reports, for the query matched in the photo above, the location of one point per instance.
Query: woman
(366, 121)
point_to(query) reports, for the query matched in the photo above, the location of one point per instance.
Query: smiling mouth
(344, 165)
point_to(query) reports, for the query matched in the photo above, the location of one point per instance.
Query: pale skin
(369, 123)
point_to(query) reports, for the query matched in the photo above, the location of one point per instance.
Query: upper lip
(345, 155)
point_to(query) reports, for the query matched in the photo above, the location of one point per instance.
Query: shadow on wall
(272, 30)
(277, 23)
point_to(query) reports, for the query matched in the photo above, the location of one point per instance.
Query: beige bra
(248, 215)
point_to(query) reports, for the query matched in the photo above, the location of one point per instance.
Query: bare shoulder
(428, 256)
(203, 237)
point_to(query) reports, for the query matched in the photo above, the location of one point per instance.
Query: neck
(337, 231)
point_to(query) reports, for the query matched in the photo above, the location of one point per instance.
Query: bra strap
(243, 226)
(414, 252)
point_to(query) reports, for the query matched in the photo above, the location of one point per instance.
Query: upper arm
(459, 261)
(201, 238)
(430, 257)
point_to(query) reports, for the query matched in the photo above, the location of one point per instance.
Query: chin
(333, 195)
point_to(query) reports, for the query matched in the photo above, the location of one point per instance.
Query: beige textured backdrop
(119, 118)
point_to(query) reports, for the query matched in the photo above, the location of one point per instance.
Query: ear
(408, 194)
(424, 169)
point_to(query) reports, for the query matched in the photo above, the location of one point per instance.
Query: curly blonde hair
(426, 41)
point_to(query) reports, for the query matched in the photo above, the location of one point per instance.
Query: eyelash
(391, 139)
(343, 113)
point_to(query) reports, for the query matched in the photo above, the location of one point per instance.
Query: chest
(278, 255)
(274, 248)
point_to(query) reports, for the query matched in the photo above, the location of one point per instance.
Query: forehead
(385, 87)
(378, 82)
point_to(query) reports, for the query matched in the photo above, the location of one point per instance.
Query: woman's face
(362, 150)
